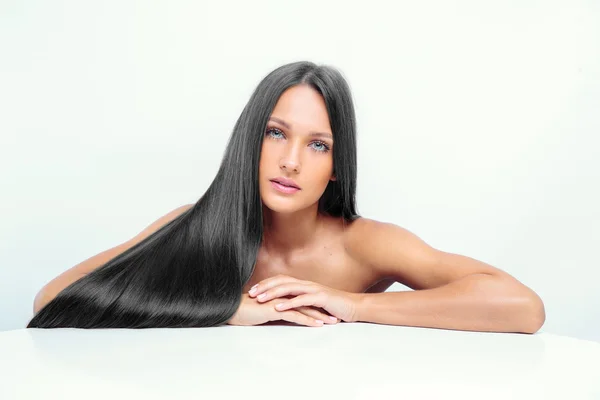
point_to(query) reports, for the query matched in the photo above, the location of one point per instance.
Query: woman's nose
(290, 159)
(289, 165)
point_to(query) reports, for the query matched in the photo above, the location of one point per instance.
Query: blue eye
(274, 130)
(323, 147)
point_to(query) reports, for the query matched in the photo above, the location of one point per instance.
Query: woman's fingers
(316, 314)
(268, 283)
(298, 318)
(283, 289)
(313, 312)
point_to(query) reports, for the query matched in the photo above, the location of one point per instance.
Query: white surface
(478, 126)
(344, 361)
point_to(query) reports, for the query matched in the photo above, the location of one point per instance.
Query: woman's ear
(333, 178)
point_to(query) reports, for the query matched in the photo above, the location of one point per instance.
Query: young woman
(276, 236)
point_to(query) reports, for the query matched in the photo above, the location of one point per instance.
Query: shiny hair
(191, 271)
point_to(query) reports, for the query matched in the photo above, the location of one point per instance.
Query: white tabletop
(347, 360)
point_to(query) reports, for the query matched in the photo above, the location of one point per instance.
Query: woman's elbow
(41, 299)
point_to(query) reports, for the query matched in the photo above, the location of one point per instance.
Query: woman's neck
(286, 233)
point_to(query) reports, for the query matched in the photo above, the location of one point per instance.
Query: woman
(276, 236)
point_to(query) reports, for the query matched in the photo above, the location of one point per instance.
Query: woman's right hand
(251, 312)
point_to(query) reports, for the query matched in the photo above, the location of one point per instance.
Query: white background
(478, 125)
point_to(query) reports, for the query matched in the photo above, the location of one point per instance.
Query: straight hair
(191, 271)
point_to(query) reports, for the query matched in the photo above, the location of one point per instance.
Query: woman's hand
(336, 302)
(252, 312)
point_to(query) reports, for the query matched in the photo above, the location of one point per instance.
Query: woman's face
(292, 148)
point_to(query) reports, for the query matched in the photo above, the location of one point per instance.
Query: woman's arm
(451, 291)
(56, 285)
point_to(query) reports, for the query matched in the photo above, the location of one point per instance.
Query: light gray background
(478, 125)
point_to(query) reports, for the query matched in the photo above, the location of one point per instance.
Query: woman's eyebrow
(282, 122)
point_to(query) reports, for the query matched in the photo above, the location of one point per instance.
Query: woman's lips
(284, 189)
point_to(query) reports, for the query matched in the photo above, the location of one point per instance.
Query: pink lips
(284, 189)
(285, 182)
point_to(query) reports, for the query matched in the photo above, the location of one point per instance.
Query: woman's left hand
(338, 303)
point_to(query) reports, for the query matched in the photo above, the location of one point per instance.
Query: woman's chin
(284, 206)
(282, 209)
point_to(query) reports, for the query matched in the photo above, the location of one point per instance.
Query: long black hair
(190, 272)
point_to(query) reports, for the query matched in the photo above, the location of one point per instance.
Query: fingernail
(333, 318)
(253, 287)
(260, 296)
(318, 321)
(252, 291)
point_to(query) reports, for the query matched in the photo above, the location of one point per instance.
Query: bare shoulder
(176, 212)
(364, 233)
(358, 237)
(159, 223)
(381, 246)
(396, 252)
(358, 231)
(171, 215)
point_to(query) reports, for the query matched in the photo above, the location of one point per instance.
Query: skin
(291, 221)
(316, 260)
(296, 237)
(298, 241)
(324, 265)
